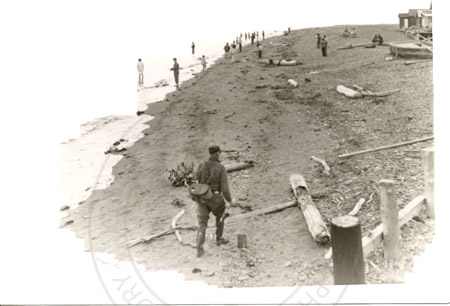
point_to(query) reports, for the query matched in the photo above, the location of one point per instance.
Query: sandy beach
(253, 113)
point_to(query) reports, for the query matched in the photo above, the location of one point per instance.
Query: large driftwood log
(386, 147)
(239, 166)
(316, 226)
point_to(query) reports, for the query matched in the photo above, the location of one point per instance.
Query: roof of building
(418, 12)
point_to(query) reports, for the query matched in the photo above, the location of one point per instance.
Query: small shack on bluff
(421, 18)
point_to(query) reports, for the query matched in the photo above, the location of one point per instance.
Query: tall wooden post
(428, 166)
(348, 258)
(389, 217)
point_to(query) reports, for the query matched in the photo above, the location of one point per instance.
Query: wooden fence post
(389, 217)
(428, 166)
(348, 258)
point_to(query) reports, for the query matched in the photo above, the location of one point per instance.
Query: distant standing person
(176, 71)
(259, 50)
(233, 51)
(227, 49)
(253, 37)
(245, 36)
(214, 174)
(140, 68)
(263, 34)
(319, 41)
(240, 44)
(203, 62)
(193, 48)
(324, 45)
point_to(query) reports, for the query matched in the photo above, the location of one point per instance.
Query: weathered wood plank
(389, 217)
(375, 236)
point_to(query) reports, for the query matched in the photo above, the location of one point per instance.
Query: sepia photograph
(225, 153)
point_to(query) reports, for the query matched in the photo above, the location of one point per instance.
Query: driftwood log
(239, 166)
(316, 226)
(323, 163)
(386, 147)
(379, 94)
(348, 92)
(174, 225)
(357, 207)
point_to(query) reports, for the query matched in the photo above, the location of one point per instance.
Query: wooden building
(416, 17)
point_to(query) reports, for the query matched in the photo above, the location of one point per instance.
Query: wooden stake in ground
(386, 147)
(348, 258)
(316, 226)
(428, 166)
(389, 217)
(242, 241)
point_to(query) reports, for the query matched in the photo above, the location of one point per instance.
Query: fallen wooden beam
(357, 207)
(316, 226)
(386, 147)
(416, 62)
(239, 166)
(407, 213)
(375, 236)
(148, 238)
(379, 94)
(323, 163)
(262, 211)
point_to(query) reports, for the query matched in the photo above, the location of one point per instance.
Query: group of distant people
(230, 51)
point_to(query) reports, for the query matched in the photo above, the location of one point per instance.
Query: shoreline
(260, 116)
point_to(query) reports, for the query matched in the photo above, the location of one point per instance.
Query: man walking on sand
(193, 48)
(214, 174)
(140, 68)
(176, 71)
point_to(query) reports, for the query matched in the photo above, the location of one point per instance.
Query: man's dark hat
(214, 149)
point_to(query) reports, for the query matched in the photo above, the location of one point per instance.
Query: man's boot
(219, 231)
(200, 241)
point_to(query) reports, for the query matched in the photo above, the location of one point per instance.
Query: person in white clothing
(140, 68)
